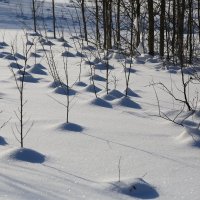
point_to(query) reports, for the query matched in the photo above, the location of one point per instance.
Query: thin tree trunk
(21, 116)
(109, 28)
(174, 30)
(151, 28)
(199, 17)
(105, 23)
(118, 23)
(34, 15)
(84, 19)
(162, 28)
(190, 31)
(138, 22)
(97, 23)
(54, 19)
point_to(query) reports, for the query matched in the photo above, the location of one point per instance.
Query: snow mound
(47, 43)
(35, 55)
(88, 62)
(108, 97)
(22, 72)
(3, 141)
(128, 69)
(190, 136)
(137, 188)
(29, 43)
(131, 93)
(103, 66)
(38, 65)
(29, 79)
(6, 53)
(116, 93)
(37, 70)
(61, 39)
(96, 60)
(15, 65)
(25, 155)
(20, 56)
(56, 84)
(1, 54)
(127, 102)
(112, 95)
(96, 77)
(65, 44)
(80, 84)
(42, 50)
(10, 57)
(70, 127)
(67, 54)
(100, 102)
(92, 88)
(3, 44)
(142, 58)
(139, 62)
(63, 91)
(79, 54)
(172, 68)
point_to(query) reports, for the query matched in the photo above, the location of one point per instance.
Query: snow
(80, 160)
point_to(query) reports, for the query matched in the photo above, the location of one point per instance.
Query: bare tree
(20, 78)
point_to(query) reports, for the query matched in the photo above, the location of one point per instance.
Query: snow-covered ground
(108, 134)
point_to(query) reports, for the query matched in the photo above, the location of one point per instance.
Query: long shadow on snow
(100, 102)
(127, 102)
(144, 151)
(24, 188)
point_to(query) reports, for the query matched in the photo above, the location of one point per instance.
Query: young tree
(20, 78)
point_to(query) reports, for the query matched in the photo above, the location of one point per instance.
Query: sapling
(58, 80)
(19, 78)
(86, 57)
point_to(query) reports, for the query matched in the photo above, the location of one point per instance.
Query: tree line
(168, 28)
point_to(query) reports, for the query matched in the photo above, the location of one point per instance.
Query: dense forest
(168, 28)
